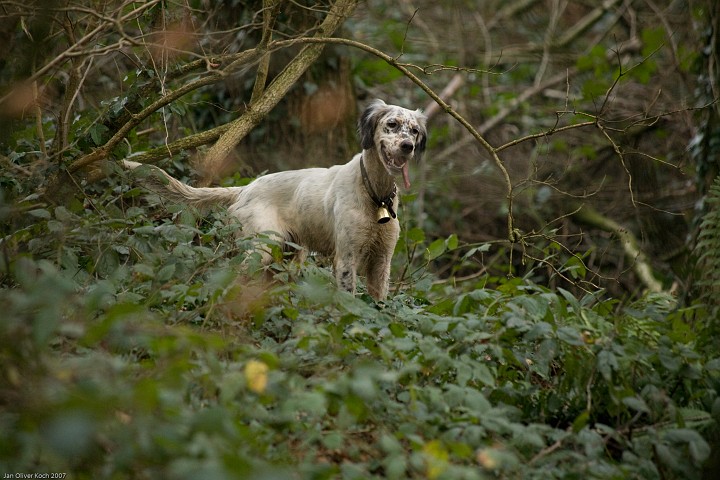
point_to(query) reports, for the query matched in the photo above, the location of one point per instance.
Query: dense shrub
(131, 349)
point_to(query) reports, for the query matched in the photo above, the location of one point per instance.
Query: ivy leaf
(98, 132)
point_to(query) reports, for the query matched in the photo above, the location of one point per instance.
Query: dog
(346, 212)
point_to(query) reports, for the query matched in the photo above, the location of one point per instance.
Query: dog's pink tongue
(406, 174)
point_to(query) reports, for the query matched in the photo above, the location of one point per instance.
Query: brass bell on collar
(383, 215)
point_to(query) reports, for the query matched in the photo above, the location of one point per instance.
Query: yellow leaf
(256, 375)
(436, 457)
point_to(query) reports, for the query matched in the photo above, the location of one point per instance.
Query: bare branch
(628, 242)
(621, 156)
(270, 9)
(38, 119)
(585, 23)
(340, 10)
(74, 49)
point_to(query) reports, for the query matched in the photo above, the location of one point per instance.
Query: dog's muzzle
(406, 148)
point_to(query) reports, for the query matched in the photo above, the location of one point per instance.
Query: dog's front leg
(345, 270)
(378, 277)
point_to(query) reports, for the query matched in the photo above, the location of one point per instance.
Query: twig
(74, 85)
(621, 156)
(270, 9)
(513, 105)
(453, 86)
(628, 242)
(585, 23)
(72, 50)
(38, 119)
(546, 451)
(407, 28)
(546, 133)
(430, 111)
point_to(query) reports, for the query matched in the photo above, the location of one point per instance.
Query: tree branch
(135, 119)
(109, 23)
(270, 9)
(628, 242)
(237, 130)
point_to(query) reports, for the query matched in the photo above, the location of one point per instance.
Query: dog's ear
(420, 145)
(422, 136)
(368, 122)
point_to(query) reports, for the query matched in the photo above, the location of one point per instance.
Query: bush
(131, 349)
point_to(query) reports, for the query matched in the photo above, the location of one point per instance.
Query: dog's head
(397, 134)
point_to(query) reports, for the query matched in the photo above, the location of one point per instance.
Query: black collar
(386, 202)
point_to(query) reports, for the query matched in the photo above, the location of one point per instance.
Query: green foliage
(708, 250)
(130, 348)
(375, 71)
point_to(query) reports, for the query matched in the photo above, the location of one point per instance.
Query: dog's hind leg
(264, 222)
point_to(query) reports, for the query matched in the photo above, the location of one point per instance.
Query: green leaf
(390, 444)
(452, 242)
(97, 133)
(145, 230)
(636, 403)
(482, 248)
(232, 383)
(484, 374)
(40, 213)
(476, 401)
(333, 440)
(416, 235)
(581, 421)
(570, 298)
(70, 433)
(395, 466)
(607, 363)
(435, 249)
(55, 226)
(145, 270)
(62, 214)
(177, 109)
(700, 450)
(165, 273)
(570, 335)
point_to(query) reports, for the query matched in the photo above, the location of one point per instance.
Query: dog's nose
(407, 146)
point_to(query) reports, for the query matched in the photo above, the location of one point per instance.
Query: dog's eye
(414, 131)
(392, 124)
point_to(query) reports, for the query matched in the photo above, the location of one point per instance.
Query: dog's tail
(174, 190)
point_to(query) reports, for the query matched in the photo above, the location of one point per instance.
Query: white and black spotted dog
(345, 211)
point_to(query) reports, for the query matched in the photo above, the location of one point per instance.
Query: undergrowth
(131, 348)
